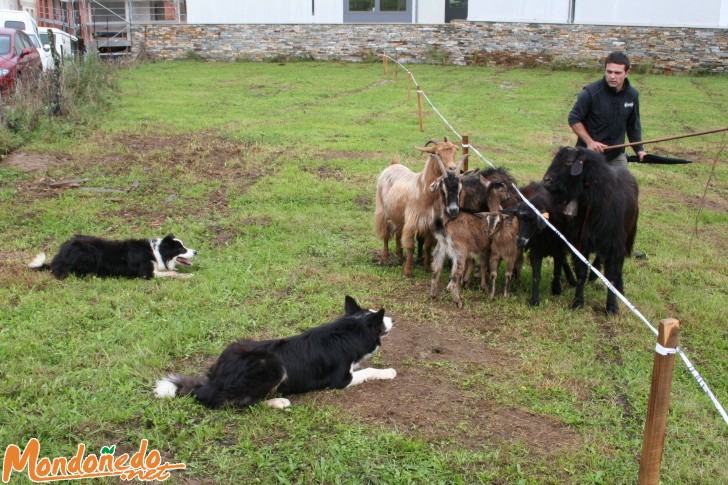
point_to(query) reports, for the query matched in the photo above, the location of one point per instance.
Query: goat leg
(494, 263)
(567, 270)
(456, 275)
(437, 264)
(507, 283)
(483, 272)
(385, 250)
(429, 243)
(536, 263)
(597, 265)
(580, 269)
(613, 270)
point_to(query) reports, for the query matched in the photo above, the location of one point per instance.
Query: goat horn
(447, 139)
(433, 140)
(439, 163)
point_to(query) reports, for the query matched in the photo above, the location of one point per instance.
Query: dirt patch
(429, 399)
(32, 162)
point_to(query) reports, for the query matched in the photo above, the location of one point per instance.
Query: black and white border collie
(134, 258)
(324, 357)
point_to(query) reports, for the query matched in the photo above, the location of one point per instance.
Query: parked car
(46, 58)
(19, 59)
(18, 19)
(66, 44)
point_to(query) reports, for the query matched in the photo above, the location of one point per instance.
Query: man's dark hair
(617, 57)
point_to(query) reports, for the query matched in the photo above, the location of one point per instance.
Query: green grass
(269, 171)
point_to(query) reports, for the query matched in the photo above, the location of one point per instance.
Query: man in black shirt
(608, 109)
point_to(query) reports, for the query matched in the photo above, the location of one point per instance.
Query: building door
(456, 9)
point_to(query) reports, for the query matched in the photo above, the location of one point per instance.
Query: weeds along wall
(652, 49)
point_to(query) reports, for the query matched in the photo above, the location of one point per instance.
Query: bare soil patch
(427, 399)
(32, 162)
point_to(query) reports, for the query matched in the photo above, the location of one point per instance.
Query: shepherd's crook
(718, 130)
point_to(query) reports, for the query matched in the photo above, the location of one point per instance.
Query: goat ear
(577, 167)
(511, 211)
(469, 172)
(435, 185)
(350, 305)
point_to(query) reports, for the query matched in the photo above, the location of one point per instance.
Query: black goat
(606, 221)
(539, 240)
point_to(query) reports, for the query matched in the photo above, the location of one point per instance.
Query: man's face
(615, 75)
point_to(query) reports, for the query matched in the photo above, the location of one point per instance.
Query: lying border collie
(134, 258)
(325, 357)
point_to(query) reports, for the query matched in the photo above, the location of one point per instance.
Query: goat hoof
(576, 304)
(556, 290)
(459, 304)
(534, 302)
(613, 310)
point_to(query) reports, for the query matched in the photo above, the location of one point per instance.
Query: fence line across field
(691, 368)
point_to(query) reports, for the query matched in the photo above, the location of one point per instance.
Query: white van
(17, 19)
(66, 44)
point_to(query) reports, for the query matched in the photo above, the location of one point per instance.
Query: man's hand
(596, 146)
(641, 154)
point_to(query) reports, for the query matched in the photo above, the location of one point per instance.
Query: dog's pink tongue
(184, 261)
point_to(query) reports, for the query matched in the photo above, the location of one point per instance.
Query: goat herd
(479, 214)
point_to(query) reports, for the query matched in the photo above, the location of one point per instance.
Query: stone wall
(658, 49)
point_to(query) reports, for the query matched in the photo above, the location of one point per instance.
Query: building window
(365, 11)
(361, 5)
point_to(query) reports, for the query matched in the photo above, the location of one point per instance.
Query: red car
(18, 58)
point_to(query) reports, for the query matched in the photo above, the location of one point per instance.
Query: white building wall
(267, 12)
(429, 11)
(538, 11)
(669, 13)
(656, 13)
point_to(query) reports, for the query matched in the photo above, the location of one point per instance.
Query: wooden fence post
(466, 150)
(386, 63)
(659, 403)
(396, 68)
(419, 108)
(409, 86)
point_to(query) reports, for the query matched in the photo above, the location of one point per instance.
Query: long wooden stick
(718, 130)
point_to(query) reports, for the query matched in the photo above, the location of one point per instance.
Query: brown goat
(460, 239)
(407, 202)
(503, 231)
(496, 194)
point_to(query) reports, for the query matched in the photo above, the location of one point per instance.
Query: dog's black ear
(350, 305)
(169, 236)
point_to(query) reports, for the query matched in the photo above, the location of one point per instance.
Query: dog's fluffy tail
(177, 385)
(39, 263)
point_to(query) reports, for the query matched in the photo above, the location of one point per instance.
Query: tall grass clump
(64, 96)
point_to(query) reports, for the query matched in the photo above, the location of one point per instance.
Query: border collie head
(170, 251)
(374, 320)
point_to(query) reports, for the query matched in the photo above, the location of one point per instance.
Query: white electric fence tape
(658, 348)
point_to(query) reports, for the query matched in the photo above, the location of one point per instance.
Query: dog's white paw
(278, 403)
(388, 374)
(184, 276)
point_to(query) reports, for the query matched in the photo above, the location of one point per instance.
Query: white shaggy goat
(407, 202)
